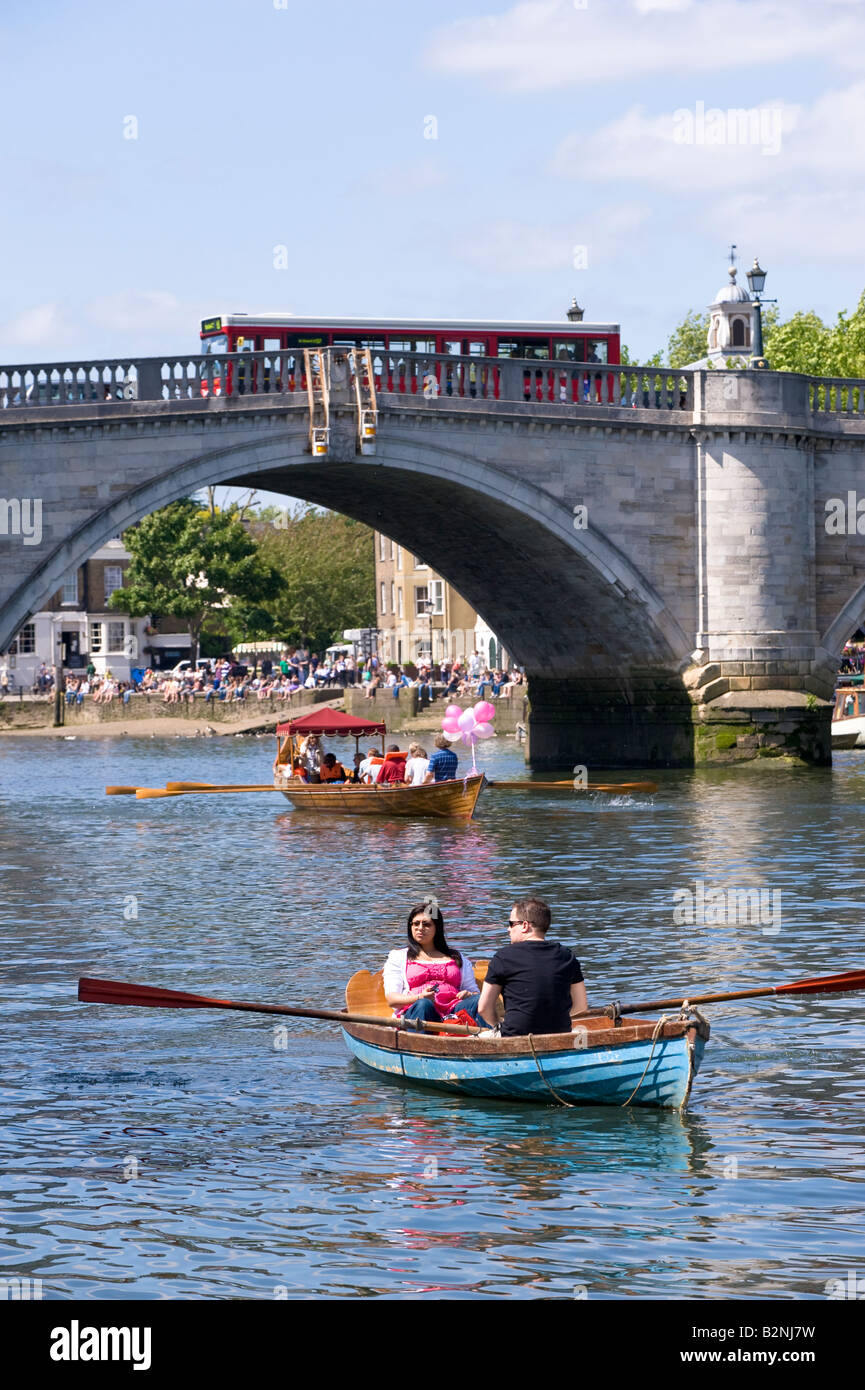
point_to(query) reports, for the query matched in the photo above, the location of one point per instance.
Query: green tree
(688, 341)
(801, 344)
(327, 575)
(195, 563)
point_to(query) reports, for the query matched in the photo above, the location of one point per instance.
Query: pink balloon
(470, 737)
(453, 710)
(453, 736)
(467, 720)
(484, 712)
(484, 730)
(450, 726)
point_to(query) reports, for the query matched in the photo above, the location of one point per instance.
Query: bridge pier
(654, 720)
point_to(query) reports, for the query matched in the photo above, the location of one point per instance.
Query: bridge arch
(566, 602)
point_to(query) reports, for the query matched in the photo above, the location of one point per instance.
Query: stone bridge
(677, 559)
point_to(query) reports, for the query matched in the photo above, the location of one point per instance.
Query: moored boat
(848, 718)
(601, 1062)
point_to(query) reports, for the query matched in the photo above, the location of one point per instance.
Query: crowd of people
(296, 671)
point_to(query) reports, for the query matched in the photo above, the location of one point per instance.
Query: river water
(177, 1154)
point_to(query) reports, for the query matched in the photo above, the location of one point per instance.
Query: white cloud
(774, 145)
(517, 248)
(542, 44)
(35, 331)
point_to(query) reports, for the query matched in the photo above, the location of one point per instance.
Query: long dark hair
(439, 941)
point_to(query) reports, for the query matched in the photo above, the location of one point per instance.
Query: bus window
(412, 344)
(218, 344)
(525, 348)
(596, 350)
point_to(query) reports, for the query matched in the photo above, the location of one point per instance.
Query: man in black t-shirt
(541, 980)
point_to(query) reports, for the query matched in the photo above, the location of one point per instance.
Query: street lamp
(429, 608)
(756, 281)
(575, 313)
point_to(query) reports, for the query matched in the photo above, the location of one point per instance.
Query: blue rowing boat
(632, 1062)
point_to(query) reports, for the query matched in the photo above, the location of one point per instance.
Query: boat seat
(364, 993)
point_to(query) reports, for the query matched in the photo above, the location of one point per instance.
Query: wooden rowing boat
(457, 798)
(635, 1063)
(631, 1062)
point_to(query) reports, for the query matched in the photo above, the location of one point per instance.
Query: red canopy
(332, 722)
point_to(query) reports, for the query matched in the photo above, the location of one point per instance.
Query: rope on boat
(568, 1103)
(692, 1047)
(686, 1011)
(656, 1033)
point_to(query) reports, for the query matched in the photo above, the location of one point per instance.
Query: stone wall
(38, 713)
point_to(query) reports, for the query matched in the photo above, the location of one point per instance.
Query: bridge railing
(425, 375)
(834, 395)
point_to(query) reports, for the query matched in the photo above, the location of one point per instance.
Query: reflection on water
(160, 1153)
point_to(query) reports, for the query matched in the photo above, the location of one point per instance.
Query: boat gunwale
(389, 1038)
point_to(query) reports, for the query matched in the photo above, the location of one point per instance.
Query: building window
(420, 564)
(420, 600)
(25, 642)
(381, 545)
(383, 605)
(399, 557)
(392, 549)
(95, 639)
(399, 604)
(69, 590)
(437, 594)
(113, 580)
(116, 636)
(393, 598)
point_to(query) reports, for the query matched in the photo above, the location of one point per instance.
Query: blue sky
(263, 123)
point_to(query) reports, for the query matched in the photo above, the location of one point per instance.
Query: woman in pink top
(429, 980)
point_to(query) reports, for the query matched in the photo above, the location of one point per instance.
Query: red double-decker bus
(285, 333)
(285, 337)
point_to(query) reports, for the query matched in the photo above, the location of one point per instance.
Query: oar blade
(845, 983)
(92, 991)
(120, 791)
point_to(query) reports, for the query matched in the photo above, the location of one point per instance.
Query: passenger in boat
(541, 980)
(444, 762)
(310, 753)
(298, 770)
(331, 770)
(428, 979)
(416, 765)
(393, 768)
(368, 770)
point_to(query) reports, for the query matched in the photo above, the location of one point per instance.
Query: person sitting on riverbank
(444, 762)
(429, 980)
(541, 980)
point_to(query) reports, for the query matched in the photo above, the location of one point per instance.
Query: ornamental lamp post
(575, 313)
(429, 608)
(756, 281)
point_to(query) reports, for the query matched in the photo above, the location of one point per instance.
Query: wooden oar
(92, 991)
(219, 787)
(591, 787)
(825, 984)
(120, 791)
(173, 789)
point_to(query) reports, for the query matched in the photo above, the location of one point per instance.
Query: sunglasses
(512, 924)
